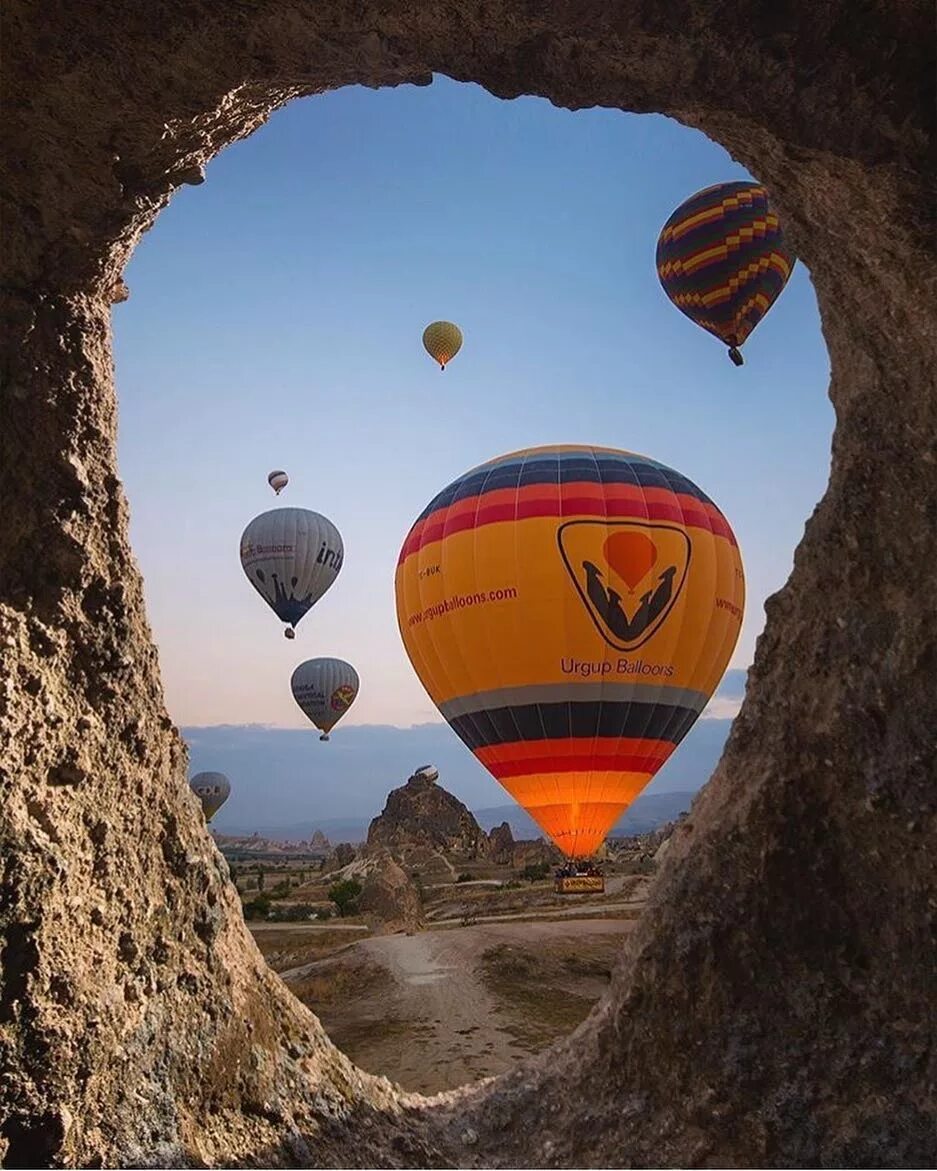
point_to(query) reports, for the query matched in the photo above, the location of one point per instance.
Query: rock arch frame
(775, 1006)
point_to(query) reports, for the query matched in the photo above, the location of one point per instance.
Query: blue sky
(275, 321)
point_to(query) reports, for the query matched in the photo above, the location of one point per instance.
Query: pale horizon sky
(275, 321)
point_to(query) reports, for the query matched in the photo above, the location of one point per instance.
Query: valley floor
(439, 1008)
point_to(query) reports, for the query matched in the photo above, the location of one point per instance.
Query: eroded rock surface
(422, 815)
(775, 1006)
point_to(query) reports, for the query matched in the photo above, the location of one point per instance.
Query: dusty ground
(441, 1008)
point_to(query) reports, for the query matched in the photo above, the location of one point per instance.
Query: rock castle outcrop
(422, 814)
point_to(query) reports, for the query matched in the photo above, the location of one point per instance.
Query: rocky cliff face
(775, 1005)
(422, 814)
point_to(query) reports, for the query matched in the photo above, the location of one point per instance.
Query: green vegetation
(464, 877)
(344, 895)
(257, 908)
(535, 871)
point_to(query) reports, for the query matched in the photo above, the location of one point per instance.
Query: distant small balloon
(278, 481)
(442, 340)
(212, 789)
(325, 689)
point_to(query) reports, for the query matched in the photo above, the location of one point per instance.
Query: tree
(257, 908)
(343, 894)
(260, 878)
(535, 870)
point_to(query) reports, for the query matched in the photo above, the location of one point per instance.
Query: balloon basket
(324, 736)
(736, 357)
(579, 884)
(289, 632)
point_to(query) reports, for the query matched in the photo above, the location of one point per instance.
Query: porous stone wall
(776, 1004)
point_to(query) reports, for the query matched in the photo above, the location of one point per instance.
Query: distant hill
(649, 812)
(285, 783)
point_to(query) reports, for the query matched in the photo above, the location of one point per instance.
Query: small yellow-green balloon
(442, 340)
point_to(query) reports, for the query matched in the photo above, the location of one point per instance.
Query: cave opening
(271, 319)
(777, 1006)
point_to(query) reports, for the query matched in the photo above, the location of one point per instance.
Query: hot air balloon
(278, 481)
(442, 340)
(570, 611)
(291, 556)
(212, 789)
(325, 689)
(722, 260)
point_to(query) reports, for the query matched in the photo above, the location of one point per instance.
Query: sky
(275, 320)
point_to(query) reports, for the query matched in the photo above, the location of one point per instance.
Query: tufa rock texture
(775, 1006)
(421, 814)
(501, 844)
(388, 896)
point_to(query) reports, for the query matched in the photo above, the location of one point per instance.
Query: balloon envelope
(570, 610)
(291, 556)
(442, 340)
(278, 481)
(325, 689)
(722, 259)
(212, 789)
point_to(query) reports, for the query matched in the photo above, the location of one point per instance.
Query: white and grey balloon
(291, 557)
(324, 689)
(212, 789)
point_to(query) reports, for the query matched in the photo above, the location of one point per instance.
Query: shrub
(257, 908)
(324, 913)
(464, 877)
(534, 871)
(292, 912)
(343, 895)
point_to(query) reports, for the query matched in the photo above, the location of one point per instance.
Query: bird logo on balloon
(628, 579)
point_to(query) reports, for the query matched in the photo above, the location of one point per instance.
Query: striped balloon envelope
(722, 260)
(570, 610)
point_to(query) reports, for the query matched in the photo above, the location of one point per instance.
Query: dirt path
(433, 1023)
(264, 925)
(584, 914)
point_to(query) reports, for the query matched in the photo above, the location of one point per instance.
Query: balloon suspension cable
(289, 632)
(736, 356)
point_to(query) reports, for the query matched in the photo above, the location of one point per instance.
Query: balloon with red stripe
(570, 610)
(723, 261)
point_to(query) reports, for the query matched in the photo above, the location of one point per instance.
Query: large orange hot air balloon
(570, 610)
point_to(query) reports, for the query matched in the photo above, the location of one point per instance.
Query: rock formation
(319, 841)
(422, 814)
(340, 856)
(388, 896)
(775, 1004)
(501, 844)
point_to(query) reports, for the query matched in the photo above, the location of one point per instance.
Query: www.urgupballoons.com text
(459, 602)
